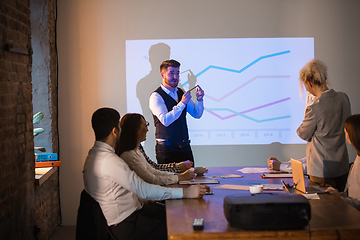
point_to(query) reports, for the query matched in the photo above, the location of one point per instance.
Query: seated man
(275, 164)
(119, 191)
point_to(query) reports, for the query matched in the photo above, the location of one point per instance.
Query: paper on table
(268, 186)
(233, 187)
(277, 175)
(199, 181)
(226, 176)
(311, 196)
(256, 170)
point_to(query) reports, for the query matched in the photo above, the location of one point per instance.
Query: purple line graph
(248, 110)
(241, 86)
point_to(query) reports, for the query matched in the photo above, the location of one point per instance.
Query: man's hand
(334, 191)
(185, 165)
(274, 164)
(187, 175)
(186, 97)
(199, 93)
(195, 191)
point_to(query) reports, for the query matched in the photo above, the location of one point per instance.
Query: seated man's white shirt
(137, 162)
(158, 107)
(117, 189)
(286, 166)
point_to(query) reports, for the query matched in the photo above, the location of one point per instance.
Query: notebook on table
(298, 177)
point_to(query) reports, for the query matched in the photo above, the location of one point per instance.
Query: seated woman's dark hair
(352, 126)
(103, 122)
(130, 124)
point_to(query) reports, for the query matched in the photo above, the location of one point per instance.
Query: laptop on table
(298, 177)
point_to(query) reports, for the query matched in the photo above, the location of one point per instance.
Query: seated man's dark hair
(103, 121)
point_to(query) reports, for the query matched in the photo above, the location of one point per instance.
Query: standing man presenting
(169, 105)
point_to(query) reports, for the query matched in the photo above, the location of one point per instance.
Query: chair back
(91, 223)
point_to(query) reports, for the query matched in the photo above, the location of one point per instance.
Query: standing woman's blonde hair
(314, 72)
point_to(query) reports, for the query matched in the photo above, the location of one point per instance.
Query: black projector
(267, 211)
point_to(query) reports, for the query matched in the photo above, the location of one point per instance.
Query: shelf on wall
(41, 174)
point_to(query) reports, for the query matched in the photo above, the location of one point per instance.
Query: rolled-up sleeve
(143, 169)
(158, 108)
(195, 110)
(129, 180)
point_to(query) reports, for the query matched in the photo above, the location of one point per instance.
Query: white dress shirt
(286, 166)
(158, 107)
(137, 162)
(117, 189)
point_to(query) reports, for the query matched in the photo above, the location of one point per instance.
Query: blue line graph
(242, 69)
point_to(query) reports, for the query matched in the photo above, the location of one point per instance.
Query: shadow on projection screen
(251, 86)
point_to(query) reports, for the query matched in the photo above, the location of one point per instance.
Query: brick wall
(22, 205)
(53, 86)
(47, 207)
(16, 137)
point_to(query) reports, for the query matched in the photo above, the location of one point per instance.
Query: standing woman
(352, 191)
(133, 132)
(323, 128)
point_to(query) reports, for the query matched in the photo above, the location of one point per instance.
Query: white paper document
(232, 187)
(311, 196)
(256, 170)
(199, 181)
(268, 186)
(277, 175)
(226, 176)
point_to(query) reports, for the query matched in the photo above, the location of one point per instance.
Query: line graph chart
(212, 111)
(241, 86)
(242, 69)
(251, 86)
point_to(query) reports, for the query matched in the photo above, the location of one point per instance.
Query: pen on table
(286, 190)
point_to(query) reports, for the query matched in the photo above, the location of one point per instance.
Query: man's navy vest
(177, 132)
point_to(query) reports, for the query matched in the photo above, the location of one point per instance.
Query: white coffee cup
(256, 188)
(200, 170)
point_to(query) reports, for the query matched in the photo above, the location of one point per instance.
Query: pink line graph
(249, 110)
(243, 85)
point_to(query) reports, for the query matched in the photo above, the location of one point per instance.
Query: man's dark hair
(103, 122)
(169, 63)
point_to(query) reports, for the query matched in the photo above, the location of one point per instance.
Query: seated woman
(351, 193)
(323, 128)
(169, 167)
(133, 132)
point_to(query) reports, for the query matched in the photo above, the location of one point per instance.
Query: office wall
(91, 44)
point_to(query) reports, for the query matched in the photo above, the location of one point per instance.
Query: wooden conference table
(331, 217)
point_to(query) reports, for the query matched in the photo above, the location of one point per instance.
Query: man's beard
(171, 83)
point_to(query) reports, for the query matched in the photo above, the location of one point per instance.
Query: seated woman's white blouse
(137, 162)
(353, 183)
(351, 195)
